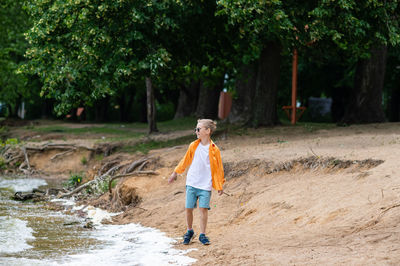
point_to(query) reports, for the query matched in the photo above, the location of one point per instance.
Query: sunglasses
(197, 129)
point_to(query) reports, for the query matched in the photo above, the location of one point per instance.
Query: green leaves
(13, 22)
(81, 49)
(356, 26)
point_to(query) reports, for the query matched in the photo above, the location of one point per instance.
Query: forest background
(148, 61)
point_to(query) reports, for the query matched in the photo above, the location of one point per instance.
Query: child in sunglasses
(205, 171)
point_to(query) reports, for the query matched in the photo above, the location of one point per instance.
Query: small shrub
(84, 160)
(12, 141)
(74, 180)
(102, 187)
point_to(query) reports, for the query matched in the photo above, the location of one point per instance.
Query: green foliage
(103, 186)
(84, 160)
(356, 26)
(165, 111)
(100, 187)
(11, 142)
(74, 180)
(14, 87)
(109, 129)
(84, 51)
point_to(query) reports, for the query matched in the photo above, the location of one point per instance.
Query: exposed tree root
(111, 175)
(233, 170)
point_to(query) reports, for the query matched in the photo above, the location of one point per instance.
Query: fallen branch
(61, 146)
(94, 181)
(62, 153)
(78, 189)
(134, 165)
(27, 196)
(111, 163)
(142, 165)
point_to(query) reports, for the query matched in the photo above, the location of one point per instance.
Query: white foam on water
(22, 185)
(10, 261)
(14, 234)
(98, 215)
(65, 202)
(131, 244)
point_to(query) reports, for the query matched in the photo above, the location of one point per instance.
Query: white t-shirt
(199, 174)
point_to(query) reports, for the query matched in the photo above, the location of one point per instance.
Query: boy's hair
(208, 123)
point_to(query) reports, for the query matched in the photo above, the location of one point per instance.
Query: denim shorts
(192, 194)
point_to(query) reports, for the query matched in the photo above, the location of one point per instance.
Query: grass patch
(178, 124)
(119, 133)
(128, 130)
(170, 125)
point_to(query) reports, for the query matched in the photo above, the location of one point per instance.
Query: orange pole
(294, 86)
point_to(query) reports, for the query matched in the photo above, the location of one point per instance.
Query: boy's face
(202, 132)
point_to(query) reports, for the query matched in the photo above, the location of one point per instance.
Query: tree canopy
(98, 54)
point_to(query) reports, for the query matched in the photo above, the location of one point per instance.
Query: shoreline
(295, 197)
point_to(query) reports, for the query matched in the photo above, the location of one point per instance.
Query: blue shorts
(192, 194)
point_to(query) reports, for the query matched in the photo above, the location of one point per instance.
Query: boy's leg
(189, 218)
(204, 206)
(190, 233)
(189, 205)
(203, 219)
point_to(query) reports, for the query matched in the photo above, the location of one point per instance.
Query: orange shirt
(217, 170)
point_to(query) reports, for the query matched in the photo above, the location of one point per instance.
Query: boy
(205, 171)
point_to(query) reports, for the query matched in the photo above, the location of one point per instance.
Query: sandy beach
(294, 196)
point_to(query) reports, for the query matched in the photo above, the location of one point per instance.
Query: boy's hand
(172, 178)
(220, 192)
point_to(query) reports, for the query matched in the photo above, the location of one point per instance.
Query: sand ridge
(301, 216)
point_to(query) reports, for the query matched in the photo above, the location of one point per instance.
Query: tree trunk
(125, 103)
(264, 103)
(245, 86)
(365, 99)
(47, 108)
(151, 107)
(207, 106)
(13, 109)
(394, 103)
(101, 110)
(188, 97)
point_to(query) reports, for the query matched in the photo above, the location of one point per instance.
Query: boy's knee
(203, 209)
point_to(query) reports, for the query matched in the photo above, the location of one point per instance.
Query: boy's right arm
(181, 166)
(184, 162)
(172, 178)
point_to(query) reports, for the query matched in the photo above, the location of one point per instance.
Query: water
(32, 234)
